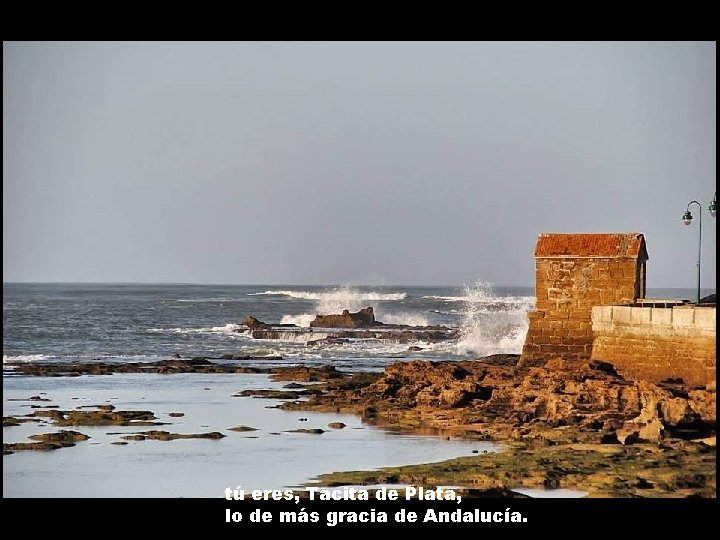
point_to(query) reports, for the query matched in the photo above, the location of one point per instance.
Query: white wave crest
(303, 320)
(333, 301)
(230, 328)
(24, 358)
(227, 328)
(293, 337)
(345, 295)
(491, 331)
(205, 300)
(480, 298)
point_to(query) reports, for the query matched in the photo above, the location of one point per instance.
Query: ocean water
(271, 457)
(129, 322)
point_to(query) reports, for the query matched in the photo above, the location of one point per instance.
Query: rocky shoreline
(565, 424)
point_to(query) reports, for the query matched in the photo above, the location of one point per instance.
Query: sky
(403, 163)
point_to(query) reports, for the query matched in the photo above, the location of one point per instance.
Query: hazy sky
(350, 163)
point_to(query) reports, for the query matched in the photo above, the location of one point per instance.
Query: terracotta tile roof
(615, 245)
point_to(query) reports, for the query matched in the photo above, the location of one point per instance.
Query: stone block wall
(567, 289)
(656, 344)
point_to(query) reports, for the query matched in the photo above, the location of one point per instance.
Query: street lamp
(687, 219)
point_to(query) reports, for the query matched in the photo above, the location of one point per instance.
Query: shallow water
(264, 459)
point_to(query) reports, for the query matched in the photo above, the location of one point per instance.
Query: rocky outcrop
(254, 324)
(46, 441)
(564, 400)
(242, 429)
(391, 333)
(167, 436)
(60, 437)
(364, 318)
(99, 418)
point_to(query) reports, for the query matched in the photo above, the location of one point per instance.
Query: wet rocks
(11, 448)
(176, 414)
(272, 394)
(309, 431)
(60, 437)
(99, 418)
(254, 324)
(46, 441)
(336, 425)
(167, 436)
(362, 319)
(588, 402)
(242, 429)
(307, 374)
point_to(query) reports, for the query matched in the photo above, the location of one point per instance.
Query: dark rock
(176, 414)
(99, 407)
(242, 428)
(46, 441)
(336, 425)
(167, 436)
(309, 431)
(42, 446)
(254, 324)
(271, 394)
(60, 437)
(99, 418)
(362, 319)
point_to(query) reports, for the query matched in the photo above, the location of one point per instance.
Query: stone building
(574, 273)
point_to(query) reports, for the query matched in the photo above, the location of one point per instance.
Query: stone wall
(656, 344)
(567, 288)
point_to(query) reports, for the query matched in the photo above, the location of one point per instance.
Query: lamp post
(687, 219)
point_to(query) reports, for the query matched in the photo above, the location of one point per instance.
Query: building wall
(656, 344)
(566, 289)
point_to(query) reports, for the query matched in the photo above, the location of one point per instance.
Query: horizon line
(707, 287)
(247, 284)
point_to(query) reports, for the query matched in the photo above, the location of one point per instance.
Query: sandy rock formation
(362, 319)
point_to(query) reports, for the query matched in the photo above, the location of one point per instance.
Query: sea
(149, 322)
(131, 322)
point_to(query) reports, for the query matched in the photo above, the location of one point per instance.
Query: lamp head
(713, 207)
(687, 218)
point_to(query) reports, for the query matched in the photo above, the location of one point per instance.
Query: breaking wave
(303, 320)
(24, 358)
(230, 328)
(489, 329)
(334, 301)
(341, 295)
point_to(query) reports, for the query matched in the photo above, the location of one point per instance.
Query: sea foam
(7, 359)
(336, 300)
(493, 324)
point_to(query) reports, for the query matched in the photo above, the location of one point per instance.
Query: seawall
(656, 344)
